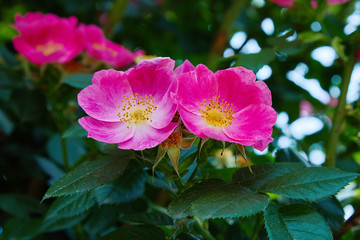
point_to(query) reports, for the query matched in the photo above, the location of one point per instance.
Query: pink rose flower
(289, 3)
(227, 106)
(47, 38)
(98, 47)
(134, 108)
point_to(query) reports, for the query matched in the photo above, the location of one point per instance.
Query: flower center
(49, 47)
(135, 109)
(217, 113)
(172, 141)
(103, 47)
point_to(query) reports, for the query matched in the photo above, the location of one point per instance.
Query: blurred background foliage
(284, 47)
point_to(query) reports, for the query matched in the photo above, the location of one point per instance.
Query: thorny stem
(339, 113)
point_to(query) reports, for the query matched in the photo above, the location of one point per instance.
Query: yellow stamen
(217, 113)
(136, 109)
(103, 47)
(49, 47)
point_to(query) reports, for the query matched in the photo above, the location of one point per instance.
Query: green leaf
(78, 80)
(70, 206)
(215, 198)
(87, 176)
(263, 173)
(129, 186)
(337, 44)
(257, 60)
(158, 183)
(34, 101)
(309, 37)
(309, 184)
(332, 211)
(139, 232)
(56, 224)
(20, 205)
(5, 124)
(187, 162)
(212, 172)
(101, 218)
(156, 218)
(50, 168)
(21, 229)
(204, 150)
(75, 149)
(75, 131)
(295, 222)
(186, 236)
(289, 155)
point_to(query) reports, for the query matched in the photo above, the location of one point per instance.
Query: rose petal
(165, 111)
(184, 68)
(101, 99)
(236, 86)
(194, 87)
(108, 132)
(158, 62)
(253, 123)
(146, 136)
(145, 80)
(200, 128)
(262, 144)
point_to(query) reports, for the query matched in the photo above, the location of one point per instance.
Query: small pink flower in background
(47, 38)
(306, 108)
(227, 106)
(98, 47)
(289, 3)
(134, 108)
(333, 102)
(284, 3)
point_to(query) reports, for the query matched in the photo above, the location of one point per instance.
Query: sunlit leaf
(309, 184)
(88, 176)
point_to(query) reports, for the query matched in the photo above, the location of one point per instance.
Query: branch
(222, 35)
(339, 113)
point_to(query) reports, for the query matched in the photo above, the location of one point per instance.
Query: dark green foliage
(214, 198)
(58, 184)
(136, 233)
(310, 184)
(295, 222)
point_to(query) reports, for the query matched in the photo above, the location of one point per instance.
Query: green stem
(224, 30)
(203, 231)
(257, 228)
(339, 113)
(178, 184)
(79, 232)
(65, 154)
(115, 15)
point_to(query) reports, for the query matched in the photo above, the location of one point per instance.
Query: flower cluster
(136, 108)
(47, 38)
